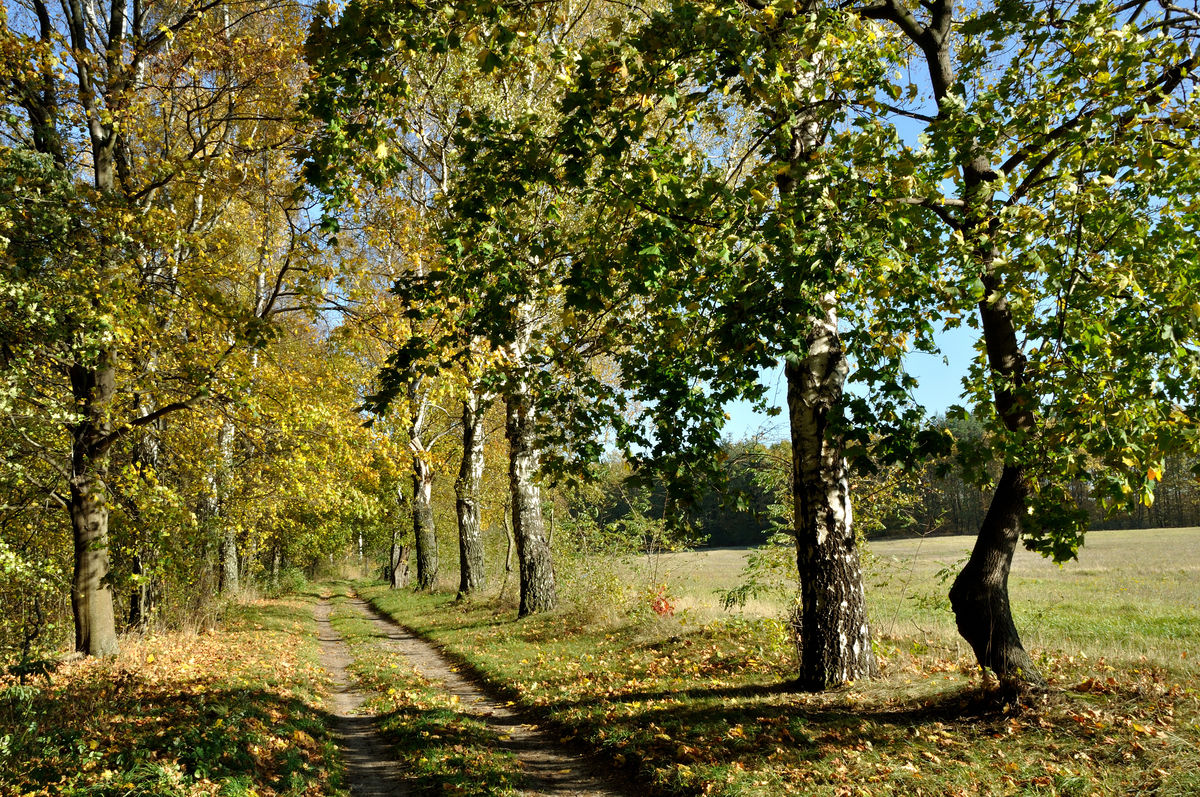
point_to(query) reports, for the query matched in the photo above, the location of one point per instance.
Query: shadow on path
(547, 766)
(370, 767)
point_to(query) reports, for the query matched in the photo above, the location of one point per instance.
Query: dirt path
(549, 768)
(370, 767)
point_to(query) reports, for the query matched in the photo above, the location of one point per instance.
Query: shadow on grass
(444, 751)
(729, 724)
(261, 616)
(124, 735)
(472, 754)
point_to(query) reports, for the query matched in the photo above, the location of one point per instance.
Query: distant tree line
(930, 498)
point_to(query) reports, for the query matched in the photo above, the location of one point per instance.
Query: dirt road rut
(549, 768)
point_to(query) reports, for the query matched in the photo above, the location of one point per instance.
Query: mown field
(1131, 594)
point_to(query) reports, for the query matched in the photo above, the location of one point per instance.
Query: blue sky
(939, 376)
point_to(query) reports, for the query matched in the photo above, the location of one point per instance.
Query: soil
(550, 769)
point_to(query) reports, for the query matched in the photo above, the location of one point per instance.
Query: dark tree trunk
(980, 592)
(423, 526)
(140, 593)
(835, 637)
(979, 595)
(470, 475)
(539, 592)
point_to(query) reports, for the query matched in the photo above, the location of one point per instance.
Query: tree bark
(91, 593)
(979, 595)
(423, 524)
(230, 582)
(980, 592)
(539, 591)
(397, 562)
(835, 637)
(145, 458)
(472, 578)
(139, 596)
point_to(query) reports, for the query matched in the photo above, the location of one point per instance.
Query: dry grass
(1131, 594)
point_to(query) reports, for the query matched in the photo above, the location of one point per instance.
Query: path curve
(550, 769)
(371, 768)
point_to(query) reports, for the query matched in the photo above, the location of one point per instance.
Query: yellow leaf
(381, 150)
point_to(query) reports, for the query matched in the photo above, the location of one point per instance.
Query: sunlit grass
(697, 701)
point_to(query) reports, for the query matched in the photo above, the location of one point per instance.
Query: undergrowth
(228, 713)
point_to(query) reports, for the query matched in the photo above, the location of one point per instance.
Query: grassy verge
(440, 749)
(227, 713)
(691, 707)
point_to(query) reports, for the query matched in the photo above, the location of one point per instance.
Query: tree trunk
(145, 460)
(980, 592)
(423, 526)
(229, 562)
(139, 595)
(397, 563)
(512, 541)
(538, 590)
(91, 594)
(228, 584)
(472, 578)
(92, 384)
(249, 561)
(835, 637)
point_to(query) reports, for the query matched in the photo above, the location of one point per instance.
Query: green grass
(1131, 594)
(692, 703)
(231, 712)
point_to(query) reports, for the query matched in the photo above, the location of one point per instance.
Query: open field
(1131, 593)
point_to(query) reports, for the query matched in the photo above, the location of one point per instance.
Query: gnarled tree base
(979, 595)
